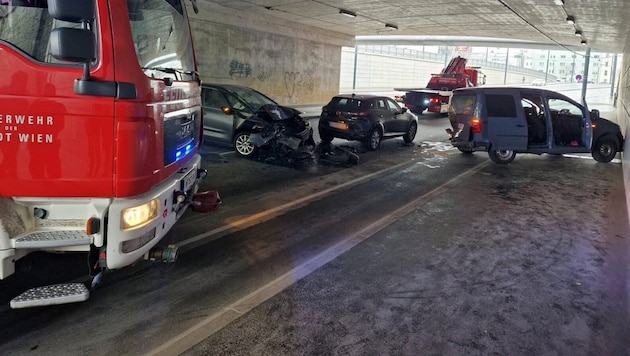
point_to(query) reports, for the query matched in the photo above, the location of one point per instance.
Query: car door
(218, 126)
(507, 127)
(384, 116)
(570, 123)
(399, 123)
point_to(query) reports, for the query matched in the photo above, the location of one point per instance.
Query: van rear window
(463, 104)
(499, 105)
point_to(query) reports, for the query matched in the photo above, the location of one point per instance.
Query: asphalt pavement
(531, 258)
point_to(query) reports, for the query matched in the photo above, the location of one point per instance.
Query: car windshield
(253, 99)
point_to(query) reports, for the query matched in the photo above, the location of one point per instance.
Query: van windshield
(462, 104)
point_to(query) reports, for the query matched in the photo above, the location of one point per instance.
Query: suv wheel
(325, 137)
(605, 149)
(411, 132)
(243, 146)
(374, 139)
(501, 156)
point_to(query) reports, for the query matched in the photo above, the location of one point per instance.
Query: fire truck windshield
(26, 26)
(161, 38)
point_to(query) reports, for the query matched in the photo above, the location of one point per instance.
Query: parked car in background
(539, 82)
(366, 118)
(229, 116)
(504, 121)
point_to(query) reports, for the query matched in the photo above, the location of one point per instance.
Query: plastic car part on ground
(332, 154)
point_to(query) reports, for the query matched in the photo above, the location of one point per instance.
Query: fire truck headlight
(139, 215)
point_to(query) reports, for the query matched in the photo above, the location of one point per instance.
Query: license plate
(338, 125)
(189, 180)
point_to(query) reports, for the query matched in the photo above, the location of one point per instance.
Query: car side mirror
(227, 110)
(404, 109)
(594, 114)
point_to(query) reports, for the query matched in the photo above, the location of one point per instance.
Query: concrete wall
(623, 116)
(292, 64)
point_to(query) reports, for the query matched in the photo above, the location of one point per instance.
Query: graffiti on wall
(297, 82)
(239, 69)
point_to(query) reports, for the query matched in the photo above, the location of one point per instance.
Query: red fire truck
(435, 97)
(100, 128)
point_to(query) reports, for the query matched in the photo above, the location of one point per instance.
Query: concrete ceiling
(604, 23)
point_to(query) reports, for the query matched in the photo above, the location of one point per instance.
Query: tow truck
(436, 95)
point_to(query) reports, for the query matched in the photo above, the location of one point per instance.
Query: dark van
(507, 120)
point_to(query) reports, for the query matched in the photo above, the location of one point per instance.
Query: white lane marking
(254, 219)
(208, 326)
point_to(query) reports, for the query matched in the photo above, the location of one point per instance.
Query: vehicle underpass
(404, 257)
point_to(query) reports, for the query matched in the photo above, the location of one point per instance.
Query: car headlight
(140, 215)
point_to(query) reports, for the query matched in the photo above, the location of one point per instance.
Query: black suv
(366, 118)
(505, 120)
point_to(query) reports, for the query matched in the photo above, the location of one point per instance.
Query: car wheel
(501, 156)
(325, 137)
(243, 146)
(411, 132)
(374, 139)
(605, 149)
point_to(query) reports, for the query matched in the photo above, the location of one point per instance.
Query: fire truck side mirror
(77, 11)
(70, 43)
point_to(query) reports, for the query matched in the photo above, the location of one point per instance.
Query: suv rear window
(500, 105)
(350, 104)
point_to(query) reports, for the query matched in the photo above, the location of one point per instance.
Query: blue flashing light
(184, 151)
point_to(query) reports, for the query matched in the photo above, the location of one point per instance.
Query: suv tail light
(475, 123)
(361, 114)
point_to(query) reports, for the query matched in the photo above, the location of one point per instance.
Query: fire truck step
(51, 295)
(46, 239)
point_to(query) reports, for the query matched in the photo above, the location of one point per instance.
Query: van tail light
(475, 123)
(325, 108)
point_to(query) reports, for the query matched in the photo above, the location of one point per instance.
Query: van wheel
(374, 139)
(243, 146)
(501, 156)
(411, 132)
(605, 149)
